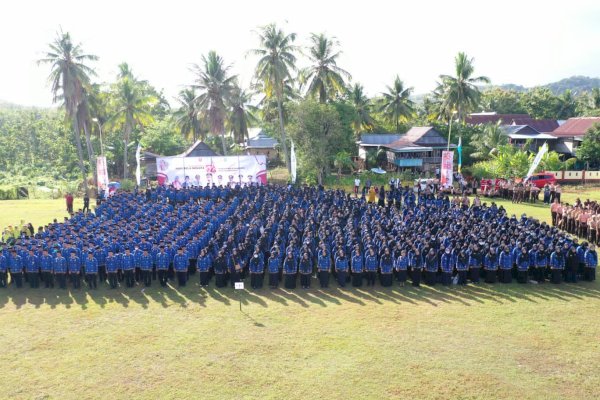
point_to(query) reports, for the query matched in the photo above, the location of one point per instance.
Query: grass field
(476, 342)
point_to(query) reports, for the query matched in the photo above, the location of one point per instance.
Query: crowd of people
(581, 218)
(286, 234)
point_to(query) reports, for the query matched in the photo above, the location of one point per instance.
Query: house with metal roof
(370, 141)
(259, 143)
(518, 135)
(419, 148)
(571, 134)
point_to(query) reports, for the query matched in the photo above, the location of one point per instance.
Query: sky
(523, 42)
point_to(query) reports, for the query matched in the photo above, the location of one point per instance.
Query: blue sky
(524, 42)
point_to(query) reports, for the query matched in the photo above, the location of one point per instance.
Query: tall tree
(214, 85)
(276, 62)
(324, 79)
(69, 76)
(362, 107)
(460, 92)
(187, 116)
(241, 114)
(132, 109)
(487, 142)
(396, 105)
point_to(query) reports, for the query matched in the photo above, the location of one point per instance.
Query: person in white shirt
(356, 185)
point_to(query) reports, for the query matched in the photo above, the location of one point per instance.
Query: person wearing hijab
(447, 263)
(386, 266)
(306, 269)
(341, 268)
(290, 270)
(431, 267)
(371, 265)
(401, 266)
(416, 266)
(591, 262)
(505, 264)
(571, 265)
(490, 265)
(522, 265)
(462, 266)
(557, 265)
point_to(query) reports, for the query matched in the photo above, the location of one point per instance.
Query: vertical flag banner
(537, 159)
(102, 173)
(446, 169)
(138, 173)
(293, 164)
(459, 150)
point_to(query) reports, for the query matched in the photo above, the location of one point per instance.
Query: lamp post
(450, 128)
(100, 128)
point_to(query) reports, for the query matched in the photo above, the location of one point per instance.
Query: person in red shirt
(69, 199)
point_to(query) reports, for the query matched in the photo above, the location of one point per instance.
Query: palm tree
(595, 98)
(487, 142)
(396, 105)
(187, 116)
(277, 61)
(215, 85)
(132, 109)
(241, 115)
(324, 78)
(69, 77)
(362, 108)
(460, 92)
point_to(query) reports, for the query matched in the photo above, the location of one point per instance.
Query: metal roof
(378, 139)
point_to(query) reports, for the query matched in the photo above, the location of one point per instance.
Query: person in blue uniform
(180, 264)
(505, 264)
(490, 265)
(137, 258)
(46, 266)
(357, 265)
(3, 269)
(235, 268)
(386, 268)
(416, 266)
(203, 264)
(591, 262)
(74, 266)
(557, 265)
(401, 267)
(100, 254)
(273, 266)
(91, 271)
(341, 268)
(306, 270)
(447, 265)
(33, 270)
(128, 267)
(146, 267)
(462, 266)
(290, 270)
(112, 269)
(475, 263)
(431, 267)
(522, 265)
(371, 264)
(324, 267)
(162, 265)
(220, 267)
(256, 267)
(541, 263)
(60, 270)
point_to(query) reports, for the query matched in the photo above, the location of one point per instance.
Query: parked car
(542, 178)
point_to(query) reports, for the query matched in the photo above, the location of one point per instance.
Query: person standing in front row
(416, 266)
(401, 266)
(371, 265)
(46, 268)
(591, 262)
(386, 268)
(256, 267)
(203, 265)
(273, 266)
(324, 266)
(290, 270)
(357, 266)
(74, 266)
(91, 271)
(3, 269)
(523, 262)
(32, 269)
(341, 268)
(112, 269)
(306, 270)
(146, 267)
(162, 265)
(180, 264)
(557, 265)
(60, 270)
(128, 265)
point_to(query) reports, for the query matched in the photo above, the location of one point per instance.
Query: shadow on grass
(194, 294)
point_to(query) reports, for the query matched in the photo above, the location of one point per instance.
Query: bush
(8, 193)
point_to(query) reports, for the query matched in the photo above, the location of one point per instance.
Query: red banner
(446, 170)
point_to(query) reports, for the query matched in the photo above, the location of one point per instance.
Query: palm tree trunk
(90, 151)
(223, 142)
(128, 129)
(79, 151)
(283, 137)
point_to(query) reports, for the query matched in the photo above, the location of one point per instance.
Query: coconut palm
(241, 114)
(362, 108)
(460, 92)
(187, 116)
(324, 78)
(277, 61)
(396, 105)
(69, 77)
(214, 85)
(487, 142)
(132, 109)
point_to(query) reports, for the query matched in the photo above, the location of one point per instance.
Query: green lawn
(477, 342)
